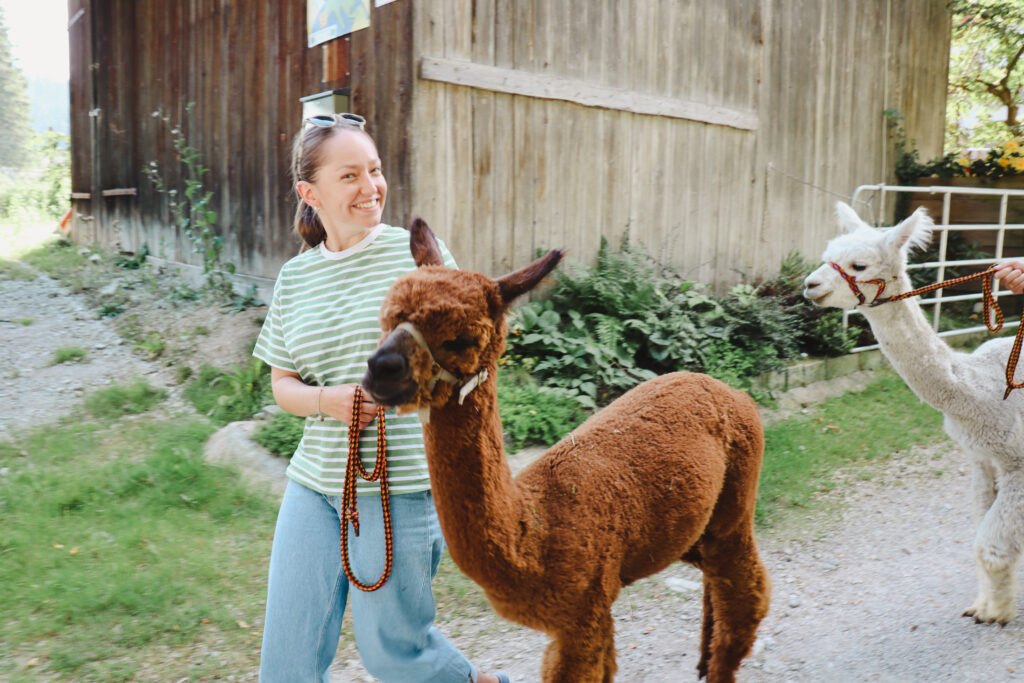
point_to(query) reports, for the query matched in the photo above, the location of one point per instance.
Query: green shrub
(533, 415)
(830, 338)
(606, 328)
(231, 396)
(281, 434)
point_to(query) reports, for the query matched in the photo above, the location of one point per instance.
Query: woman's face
(348, 190)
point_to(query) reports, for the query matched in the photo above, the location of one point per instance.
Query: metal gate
(880, 200)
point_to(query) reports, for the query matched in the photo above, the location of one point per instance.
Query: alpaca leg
(585, 655)
(984, 488)
(997, 549)
(740, 593)
(706, 631)
(610, 665)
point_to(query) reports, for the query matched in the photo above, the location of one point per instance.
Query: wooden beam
(588, 94)
(121, 192)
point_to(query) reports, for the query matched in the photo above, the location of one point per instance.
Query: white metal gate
(880, 199)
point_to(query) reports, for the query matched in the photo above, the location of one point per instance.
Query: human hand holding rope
(338, 402)
(1011, 275)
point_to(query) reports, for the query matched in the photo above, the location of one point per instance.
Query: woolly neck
(354, 249)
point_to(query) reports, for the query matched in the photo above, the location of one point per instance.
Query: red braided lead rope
(989, 307)
(353, 466)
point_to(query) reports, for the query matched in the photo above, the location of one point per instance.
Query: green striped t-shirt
(323, 325)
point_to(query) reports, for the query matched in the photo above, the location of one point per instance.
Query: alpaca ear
(526, 278)
(848, 218)
(423, 244)
(913, 233)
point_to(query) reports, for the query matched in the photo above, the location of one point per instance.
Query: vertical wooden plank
(382, 90)
(503, 151)
(428, 121)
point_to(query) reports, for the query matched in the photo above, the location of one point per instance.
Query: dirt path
(870, 588)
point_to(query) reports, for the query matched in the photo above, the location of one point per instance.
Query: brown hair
(307, 157)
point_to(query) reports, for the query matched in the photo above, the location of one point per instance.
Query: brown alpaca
(667, 472)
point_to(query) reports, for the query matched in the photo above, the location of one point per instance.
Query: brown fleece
(667, 472)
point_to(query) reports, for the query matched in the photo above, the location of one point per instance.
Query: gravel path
(868, 588)
(33, 389)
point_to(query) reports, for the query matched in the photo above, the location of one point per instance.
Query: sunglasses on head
(329, 120)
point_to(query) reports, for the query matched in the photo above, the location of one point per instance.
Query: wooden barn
(718, 135)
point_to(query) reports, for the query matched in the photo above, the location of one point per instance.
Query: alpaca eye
(460, 343)
(859, 267)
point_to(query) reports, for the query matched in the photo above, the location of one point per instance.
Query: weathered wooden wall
(243, 65)
(502, 174)
(723, 132)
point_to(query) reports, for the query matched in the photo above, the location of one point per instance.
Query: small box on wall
(325, 103)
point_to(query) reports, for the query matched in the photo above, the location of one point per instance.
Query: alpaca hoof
(984, 614)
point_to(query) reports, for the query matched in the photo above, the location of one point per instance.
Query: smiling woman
(321, 327)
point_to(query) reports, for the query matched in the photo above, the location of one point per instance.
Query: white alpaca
(966, 388)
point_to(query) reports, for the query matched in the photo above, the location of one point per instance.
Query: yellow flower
(964, 161)
(1018, 164)
(1004, 162)
(1011, 146)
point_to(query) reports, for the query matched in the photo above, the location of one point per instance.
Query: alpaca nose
(810, 282)
(386, 365)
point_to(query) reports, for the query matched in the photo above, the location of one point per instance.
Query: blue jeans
(307, 591)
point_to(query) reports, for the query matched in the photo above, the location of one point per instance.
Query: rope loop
(354, 466)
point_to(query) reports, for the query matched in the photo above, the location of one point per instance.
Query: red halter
(853, 282)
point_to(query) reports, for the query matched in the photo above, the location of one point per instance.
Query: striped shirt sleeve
(270, 347)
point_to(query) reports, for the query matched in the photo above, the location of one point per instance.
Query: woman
(320, 329)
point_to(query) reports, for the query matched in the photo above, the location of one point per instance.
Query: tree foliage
(986, 73)
(14, 105)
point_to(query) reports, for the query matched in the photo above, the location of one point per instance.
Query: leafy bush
(606, 328)
(131, 399)
(533, 415)
(231, 396)
(281, 435)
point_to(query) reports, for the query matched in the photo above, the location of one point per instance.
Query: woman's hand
(1011, 275)
(305, 400)
(337, 402)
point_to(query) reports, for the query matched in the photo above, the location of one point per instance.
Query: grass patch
(121, 544)
(128, 399)
(152, 345)
(59, 259)
(68, 354)
(12, 270)
(802, 452)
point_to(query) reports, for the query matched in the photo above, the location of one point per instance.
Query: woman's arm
(299, 398)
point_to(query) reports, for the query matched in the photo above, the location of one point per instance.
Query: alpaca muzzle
(389, 368)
